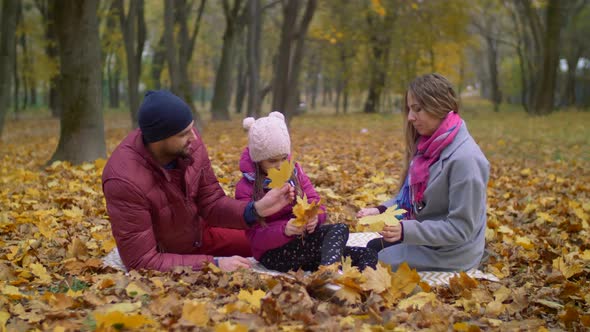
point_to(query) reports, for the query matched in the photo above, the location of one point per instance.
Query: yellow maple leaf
(375, 223)
(4, 316)
(252, 297)
(405, 279)
(305, 211)
(567, 269)
(40, 271)
(13, 292)
(120, 320)
(377, 280)
(349, 295)
(227, 326)
(417, 301)
(524, 242)
(279, 177)
(196, 313)
(133, 290)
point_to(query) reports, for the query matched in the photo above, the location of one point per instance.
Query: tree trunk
(48, 19)
(81, 133)
(291, 49)
(492, 46)
(222, 89)
(170, 41)
(253, 57)
(158, 63)
(242, 84)
(179, 49)
(380, 42)
(7, 55)
(134, 34)
(544, 95)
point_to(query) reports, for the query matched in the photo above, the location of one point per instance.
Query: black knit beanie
(162, 114)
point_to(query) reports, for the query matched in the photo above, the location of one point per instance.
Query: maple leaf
(375, 223)
(252, 297)
(195, 313)
(120, 320)
(279, 177)
(135, 290)
(567, 269)
(378, 280)
(305, 211)
(229, 327)
(405, 279)
(417, 301)
(40, 271)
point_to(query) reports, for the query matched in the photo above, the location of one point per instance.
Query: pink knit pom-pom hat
(268, 136)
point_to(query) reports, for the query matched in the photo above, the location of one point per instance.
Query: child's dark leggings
(379, 244)
(325, 246)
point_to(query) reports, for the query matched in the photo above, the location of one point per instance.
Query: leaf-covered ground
(54, 231)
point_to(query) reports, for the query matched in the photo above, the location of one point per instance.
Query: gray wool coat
(449, 232)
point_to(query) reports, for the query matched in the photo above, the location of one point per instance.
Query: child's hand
(392, 233)
(292, 230)
(311, 225)
(367, 212)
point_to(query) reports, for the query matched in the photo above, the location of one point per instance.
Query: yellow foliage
(195, 313)
(376, 223)
(279, 177)
(120, 320)
(305, 211)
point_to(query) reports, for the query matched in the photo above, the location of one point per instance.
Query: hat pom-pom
(277, 115)
(248, 122)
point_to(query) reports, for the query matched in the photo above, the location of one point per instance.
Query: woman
(443, 186)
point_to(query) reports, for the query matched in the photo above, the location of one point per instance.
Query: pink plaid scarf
(428, 152)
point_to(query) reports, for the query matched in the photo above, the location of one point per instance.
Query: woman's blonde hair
(435, 96)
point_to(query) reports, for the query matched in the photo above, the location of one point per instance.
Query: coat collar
(139, 146)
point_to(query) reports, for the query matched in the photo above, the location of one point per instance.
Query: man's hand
(367, 212)
(229, 264)
(311, 225)
(292, 230)
(275, 200)
(392, 233)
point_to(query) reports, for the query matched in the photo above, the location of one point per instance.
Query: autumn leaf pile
(55, 230)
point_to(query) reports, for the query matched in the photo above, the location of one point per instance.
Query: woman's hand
(311, 225)
(367, 212)
(392, 233)
(292, 230)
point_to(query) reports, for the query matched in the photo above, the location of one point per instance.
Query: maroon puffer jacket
(155, 224)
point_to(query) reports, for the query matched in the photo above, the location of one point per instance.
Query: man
(165, 205)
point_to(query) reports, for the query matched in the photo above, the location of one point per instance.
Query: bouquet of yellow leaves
(305, 211)
(375, 223)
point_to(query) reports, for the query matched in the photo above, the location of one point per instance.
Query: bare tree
(81, 133)
(291, 49)
(179, 47)
(7, 54)
(234, 23)
(134, 34)
(254, 56)
(543, 47)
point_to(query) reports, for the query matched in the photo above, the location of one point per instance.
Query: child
(275, 241)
